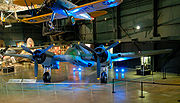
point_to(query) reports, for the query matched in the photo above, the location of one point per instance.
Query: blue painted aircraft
(81, 55)
(104, 58)
(66, 9)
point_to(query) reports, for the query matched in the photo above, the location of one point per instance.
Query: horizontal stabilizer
(98, 13)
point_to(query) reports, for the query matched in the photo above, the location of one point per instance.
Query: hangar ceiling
(120, 23)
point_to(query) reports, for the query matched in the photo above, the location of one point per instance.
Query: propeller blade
(50, 46)
(27, 49)
(35, 69)
(98, 67)
(86, 47)
(112, 46)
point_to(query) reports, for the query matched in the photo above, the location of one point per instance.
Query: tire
(71, 20)
(46, 77)
(103, 77)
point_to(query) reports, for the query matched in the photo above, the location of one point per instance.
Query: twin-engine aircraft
(81, 55)
(66, 9)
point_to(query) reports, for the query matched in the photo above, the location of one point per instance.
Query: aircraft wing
(42, 18)
(95, 6)
(29, 2)
(132, 55)
(19, 48)
(75, 60)
(19, 55)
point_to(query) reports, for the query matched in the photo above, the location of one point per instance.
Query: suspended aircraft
(81, 55)
(9, 12)
(66, 9)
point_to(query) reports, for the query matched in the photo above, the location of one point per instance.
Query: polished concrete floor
(82, 87)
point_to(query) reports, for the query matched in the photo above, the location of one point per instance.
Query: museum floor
(82, 87)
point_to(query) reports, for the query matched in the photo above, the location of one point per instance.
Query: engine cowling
(39, 56)
(103, 55)
(50, 3)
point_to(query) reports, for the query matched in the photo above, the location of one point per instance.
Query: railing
(40, 88)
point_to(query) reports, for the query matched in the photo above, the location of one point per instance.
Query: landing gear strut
(71, 20)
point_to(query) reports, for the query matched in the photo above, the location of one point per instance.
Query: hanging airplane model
(9, 12)
(81, 55)
(66, 9)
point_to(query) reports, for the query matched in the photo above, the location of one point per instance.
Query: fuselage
(62, 7)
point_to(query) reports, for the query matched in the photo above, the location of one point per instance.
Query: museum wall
(20, 32)
(168, 61)
(12, 34)
(132, 13)
(169, 20)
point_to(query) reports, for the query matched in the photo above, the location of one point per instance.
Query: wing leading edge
(132, 55)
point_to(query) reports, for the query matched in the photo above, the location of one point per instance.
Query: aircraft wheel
(46, 77)
(71, 20)
(103, 77)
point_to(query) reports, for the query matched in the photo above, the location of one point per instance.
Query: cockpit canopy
(77, 50)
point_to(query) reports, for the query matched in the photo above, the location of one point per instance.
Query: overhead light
(8, 26)
(138, 27)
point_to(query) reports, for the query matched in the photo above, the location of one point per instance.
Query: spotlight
(117, 70)
(79, 69)
(74, 69)
(122, 70)
(138, 27)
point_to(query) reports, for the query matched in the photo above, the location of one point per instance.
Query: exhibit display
(89, 51)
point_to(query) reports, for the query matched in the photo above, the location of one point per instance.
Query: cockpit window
(74, 50)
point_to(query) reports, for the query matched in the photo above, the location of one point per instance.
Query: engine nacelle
(102, 56)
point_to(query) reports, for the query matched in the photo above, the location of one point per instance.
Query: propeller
(27, 49)
(99, 55)
(49, 47)
(112, 46)
(39, 57)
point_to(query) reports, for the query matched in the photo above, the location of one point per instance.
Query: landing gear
(47, 74)
(46, 77)
(71, 20)
(103, 77)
